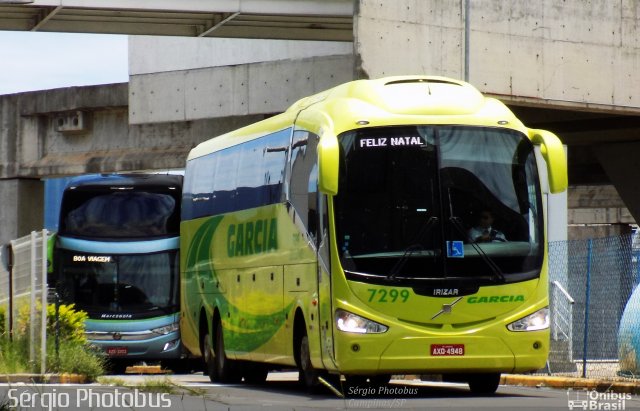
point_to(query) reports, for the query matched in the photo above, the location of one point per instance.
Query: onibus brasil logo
(593, 400)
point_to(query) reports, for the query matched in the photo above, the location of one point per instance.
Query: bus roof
(125, 180)
(380, 102)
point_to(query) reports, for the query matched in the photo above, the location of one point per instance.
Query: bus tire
(255, 373)
(209, 358)
(353, 381)
(178, 365)
(380, 379)
(226, 369)
(485, 383)
(117, 366)
(308, 376)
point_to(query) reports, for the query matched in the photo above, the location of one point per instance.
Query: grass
(153, 384)
(74, 358)
(14, 356)
(77, 358)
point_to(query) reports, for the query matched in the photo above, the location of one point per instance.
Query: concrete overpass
(570, 68)
(276, 19)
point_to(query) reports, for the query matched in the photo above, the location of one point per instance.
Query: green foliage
(3, 319)
(76, 358)
(70, 323)
(75, 354)
(14, 355)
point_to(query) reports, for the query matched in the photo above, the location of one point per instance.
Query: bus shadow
(391, 391)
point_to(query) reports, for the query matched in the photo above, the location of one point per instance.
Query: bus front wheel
(484, 384)
(308, 375)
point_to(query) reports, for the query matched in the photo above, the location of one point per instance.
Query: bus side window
(303, 186)
(224, 183)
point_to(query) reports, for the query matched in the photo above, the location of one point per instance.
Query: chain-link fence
(591, 286)
(23, 293)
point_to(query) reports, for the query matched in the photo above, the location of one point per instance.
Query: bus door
(325, 309)
(311, 207)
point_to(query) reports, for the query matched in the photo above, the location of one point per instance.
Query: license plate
(117, 351)
(447, 349)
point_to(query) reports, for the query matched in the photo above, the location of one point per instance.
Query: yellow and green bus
(338, 238)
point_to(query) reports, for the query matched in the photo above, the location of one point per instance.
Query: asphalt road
(281, 392)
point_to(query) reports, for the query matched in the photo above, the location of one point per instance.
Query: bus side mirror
(553, 153)
(328, 164)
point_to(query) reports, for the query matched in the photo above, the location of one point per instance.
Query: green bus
(335, 238)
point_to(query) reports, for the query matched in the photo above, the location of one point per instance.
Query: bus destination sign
(378, 142)
(91, 258)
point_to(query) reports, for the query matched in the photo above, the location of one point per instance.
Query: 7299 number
(382, 295)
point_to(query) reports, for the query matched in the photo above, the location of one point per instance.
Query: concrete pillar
(22, 207)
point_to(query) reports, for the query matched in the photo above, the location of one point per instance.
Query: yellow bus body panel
(254, 267)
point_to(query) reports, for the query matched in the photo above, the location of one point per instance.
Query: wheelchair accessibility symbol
(455, 249)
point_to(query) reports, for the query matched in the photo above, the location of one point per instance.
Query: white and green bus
(335, 238)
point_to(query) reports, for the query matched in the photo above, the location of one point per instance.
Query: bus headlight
(352, 323)
(532, 322)
(167, 329)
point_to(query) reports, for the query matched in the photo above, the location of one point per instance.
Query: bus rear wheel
(484, 384)
(226, 369)
(209, 358)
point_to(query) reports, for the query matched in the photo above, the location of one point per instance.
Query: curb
(146, 369)
(44, 379)
(571, 382)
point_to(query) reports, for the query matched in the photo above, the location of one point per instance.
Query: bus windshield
(438, 202)
(105, 214)
(120, 286)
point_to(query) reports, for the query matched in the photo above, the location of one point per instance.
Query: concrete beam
(602, 196)
(249, 89)
(308, 7)
(585, 232)
(114, 146)
(285, 19)
(600, 216)
(553, 53)
(153, 54)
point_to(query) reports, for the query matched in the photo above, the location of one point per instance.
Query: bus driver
(483, 232)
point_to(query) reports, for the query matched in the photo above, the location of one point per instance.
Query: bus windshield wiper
(415, 246)
(498, 275)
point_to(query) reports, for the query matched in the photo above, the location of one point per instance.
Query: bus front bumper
(162, 347)
(374, 354)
